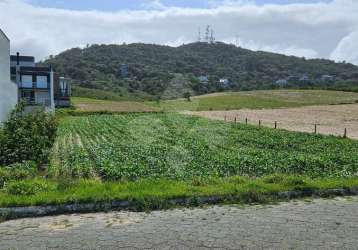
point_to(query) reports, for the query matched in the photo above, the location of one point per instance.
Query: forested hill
(155, 71)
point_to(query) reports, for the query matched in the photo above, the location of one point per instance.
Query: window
(41, 81)
(26, 81)
(28, 96)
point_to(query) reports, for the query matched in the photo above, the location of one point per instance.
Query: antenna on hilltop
(237, 41)
(207, 34)
(212, 38)
(199, 35)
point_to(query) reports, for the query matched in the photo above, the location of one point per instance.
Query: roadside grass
(147, 194)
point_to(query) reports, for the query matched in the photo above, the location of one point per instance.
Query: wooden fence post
(345, 133)
(235, 119)
(259, 123)
(275, 124)
(315, 128)
(246, 120)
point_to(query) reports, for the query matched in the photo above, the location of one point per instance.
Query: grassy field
(258, 100)
(224, 101)
(129, 147)
(95, 105)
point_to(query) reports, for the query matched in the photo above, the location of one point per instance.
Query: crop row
(175, 146)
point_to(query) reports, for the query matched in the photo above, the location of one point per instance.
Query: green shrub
(17, 171)
(27, 187)
(27, 136)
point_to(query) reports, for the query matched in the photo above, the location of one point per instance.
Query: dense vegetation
(160, 72)
(128, 147)
(27, 136)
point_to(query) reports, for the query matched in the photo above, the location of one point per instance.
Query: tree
(187, 96)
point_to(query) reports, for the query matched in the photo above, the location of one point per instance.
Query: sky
(115, 5)
(306, 28)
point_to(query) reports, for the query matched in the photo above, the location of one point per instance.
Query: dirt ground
(330, 119)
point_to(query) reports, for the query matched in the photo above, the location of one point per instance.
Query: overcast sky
(309, 28)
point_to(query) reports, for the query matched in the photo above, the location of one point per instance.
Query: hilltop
(155, 71)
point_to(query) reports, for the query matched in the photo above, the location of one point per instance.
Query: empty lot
(330, 119)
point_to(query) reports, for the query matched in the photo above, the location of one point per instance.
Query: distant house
(8, 90)
(203, 79)
(281, 82)
(327, 78)
(124, 70)
(224, 82)
(38, 86)
(304, 80)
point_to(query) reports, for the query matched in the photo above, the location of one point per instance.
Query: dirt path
(330, 119)
(320, 224)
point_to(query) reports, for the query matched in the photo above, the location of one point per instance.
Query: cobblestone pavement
(318, 224)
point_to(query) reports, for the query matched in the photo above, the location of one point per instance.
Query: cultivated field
(330, 119)
(224, 101)
(128, 147)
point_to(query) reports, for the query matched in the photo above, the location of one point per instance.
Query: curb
(40, 211)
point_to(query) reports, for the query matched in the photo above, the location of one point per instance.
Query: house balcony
(34, 85)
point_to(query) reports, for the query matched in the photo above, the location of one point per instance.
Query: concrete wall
(8, 89)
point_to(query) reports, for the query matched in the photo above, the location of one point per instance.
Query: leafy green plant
(17, 171)
(135, 146)
(28, 187)
(27, 136)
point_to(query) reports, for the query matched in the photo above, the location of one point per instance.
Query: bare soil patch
(330, 119)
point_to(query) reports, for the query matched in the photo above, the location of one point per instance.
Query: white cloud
(312, 30)
(347, 49)
(276, 48)
(154, 4)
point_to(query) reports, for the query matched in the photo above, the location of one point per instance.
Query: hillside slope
(156, 71)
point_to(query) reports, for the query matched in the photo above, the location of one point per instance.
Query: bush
(26, 187)
(27, 136)
(18, 171)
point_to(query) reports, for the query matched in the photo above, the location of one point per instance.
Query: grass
(153, 194)
(94, 105)
(223, 101)
(258, 100)
(133, 146)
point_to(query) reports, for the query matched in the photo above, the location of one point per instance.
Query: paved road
(320, 224)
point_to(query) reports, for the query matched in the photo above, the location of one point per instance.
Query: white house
(281, 82)
(8, 89)
(224, 82)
